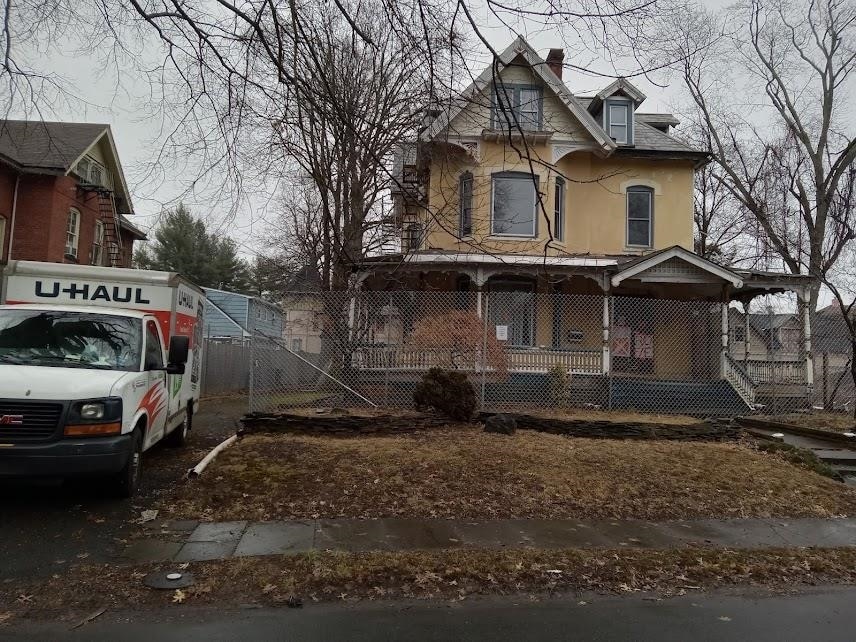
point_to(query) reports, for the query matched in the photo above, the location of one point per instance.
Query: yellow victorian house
(565, 223)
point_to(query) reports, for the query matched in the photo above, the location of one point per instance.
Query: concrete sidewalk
(190, 541)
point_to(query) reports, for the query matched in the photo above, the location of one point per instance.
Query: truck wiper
(8, 358)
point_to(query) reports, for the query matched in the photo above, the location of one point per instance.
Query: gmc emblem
(11, 420)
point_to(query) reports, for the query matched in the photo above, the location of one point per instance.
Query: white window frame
(640, 189)
(98, 243)
(465, 221)
(72, 232)
(3, 236)
(559, 209)
(533, 180)
(627, 124)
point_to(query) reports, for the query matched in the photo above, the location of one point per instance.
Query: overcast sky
(124, 100)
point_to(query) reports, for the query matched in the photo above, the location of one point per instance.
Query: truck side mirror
(179, 346)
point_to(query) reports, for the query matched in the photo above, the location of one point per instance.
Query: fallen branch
(202, 465)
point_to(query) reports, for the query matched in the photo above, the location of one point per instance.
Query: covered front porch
(648, 332)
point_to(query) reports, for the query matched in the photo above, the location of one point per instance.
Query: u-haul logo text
(90, 292)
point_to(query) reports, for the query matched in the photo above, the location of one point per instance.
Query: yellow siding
(595, 199)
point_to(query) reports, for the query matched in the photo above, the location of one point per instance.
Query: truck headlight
(92, 411)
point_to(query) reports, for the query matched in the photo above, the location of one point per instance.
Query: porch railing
(783, 372)
(542, 360)
(533, 360)
(739, 379)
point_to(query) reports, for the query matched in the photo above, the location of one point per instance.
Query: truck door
(157, 396)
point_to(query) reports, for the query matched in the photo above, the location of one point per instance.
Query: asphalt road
(47, 525)
(823, 614)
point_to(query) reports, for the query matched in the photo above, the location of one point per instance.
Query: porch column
(605, 357)
(724, 350)
(479, 282)
(804, 298)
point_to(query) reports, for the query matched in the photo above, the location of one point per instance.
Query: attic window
(90, 171)
(618, 117)
(517, 105)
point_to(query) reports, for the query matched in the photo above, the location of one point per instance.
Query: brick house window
(72, 232)
(98, 244)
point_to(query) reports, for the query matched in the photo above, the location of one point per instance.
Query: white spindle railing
(784, 372)
(517, 359)
(739, 380)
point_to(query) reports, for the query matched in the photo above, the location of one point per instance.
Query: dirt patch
(462, 472)
(455, 574)
(830, 421)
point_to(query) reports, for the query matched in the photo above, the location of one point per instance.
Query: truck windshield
(69, 340)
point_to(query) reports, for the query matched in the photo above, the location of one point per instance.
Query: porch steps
(685, 397)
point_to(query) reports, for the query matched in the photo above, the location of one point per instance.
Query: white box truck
(97, 364)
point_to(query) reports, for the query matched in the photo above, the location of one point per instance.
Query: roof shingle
(46, 146)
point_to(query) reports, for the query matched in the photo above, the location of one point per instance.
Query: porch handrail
(739, 379)
(776, 371)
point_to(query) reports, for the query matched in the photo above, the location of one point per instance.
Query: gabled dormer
(614, 108)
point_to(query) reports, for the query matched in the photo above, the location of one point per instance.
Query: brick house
(63, 195)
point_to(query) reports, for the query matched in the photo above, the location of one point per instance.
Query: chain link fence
(524, 350)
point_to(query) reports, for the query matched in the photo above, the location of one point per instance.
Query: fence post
(826, 402)
(484, 346)
(724, 348)
(252, 372)
(389, 353)
(772, 338)
(610, 323)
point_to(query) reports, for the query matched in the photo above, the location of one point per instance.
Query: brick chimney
(554, 61)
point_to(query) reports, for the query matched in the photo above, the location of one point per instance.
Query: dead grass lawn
(832, 421)
(461, 472)
(450, 574)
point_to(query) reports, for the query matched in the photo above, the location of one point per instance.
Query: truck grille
(23, 421)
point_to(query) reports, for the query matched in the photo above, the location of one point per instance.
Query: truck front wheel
(127, 481)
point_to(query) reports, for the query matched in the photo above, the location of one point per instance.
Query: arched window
(559, 210)
(640, 216)
(72, 233)
(465, 221)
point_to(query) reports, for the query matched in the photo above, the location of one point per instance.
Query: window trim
(559, 204)
(98, 242)
(514, 90)
(639, 189)
(3, 224)
(465, 207)
(535, 181)
(628, 115)
(75, 247)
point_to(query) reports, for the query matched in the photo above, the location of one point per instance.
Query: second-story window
(72, 232)
(513, 204)
(517, 105)
(618, 123)
(98, 244)
(465, 225)
(559, 210)
(640, 216)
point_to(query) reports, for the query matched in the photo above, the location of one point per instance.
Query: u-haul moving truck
(96, 365)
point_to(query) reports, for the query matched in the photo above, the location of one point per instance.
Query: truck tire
(178, 437)
(127, 481)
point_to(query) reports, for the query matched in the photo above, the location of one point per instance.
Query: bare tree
(785, 172)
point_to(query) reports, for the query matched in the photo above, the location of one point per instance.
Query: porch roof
(616, 268)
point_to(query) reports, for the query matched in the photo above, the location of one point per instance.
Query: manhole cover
(168, 580)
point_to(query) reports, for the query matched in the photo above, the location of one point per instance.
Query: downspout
(12, 221)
